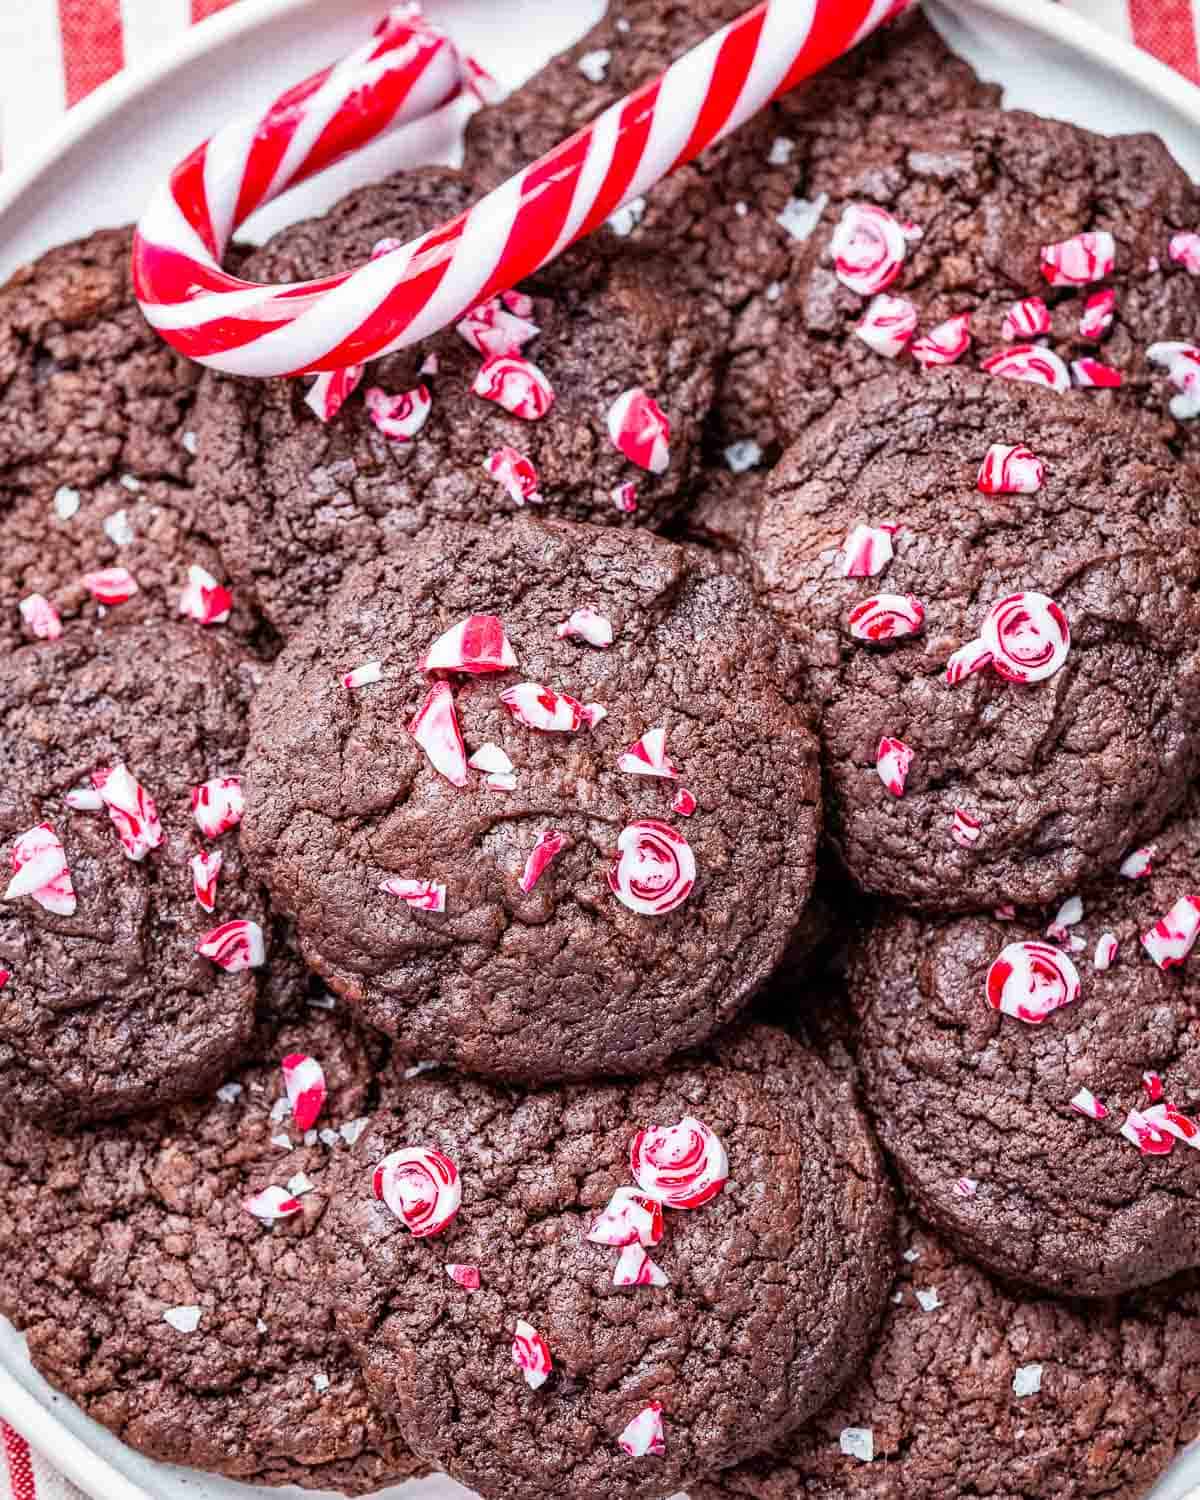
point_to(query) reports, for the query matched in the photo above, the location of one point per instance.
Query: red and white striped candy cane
(413, 291)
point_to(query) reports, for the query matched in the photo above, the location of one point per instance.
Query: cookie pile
(609, 912)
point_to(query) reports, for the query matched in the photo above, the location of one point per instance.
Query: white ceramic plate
(99, 168)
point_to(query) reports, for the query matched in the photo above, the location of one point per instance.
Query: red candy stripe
(1031, 364)
(204, 599)
(886, 617)
(435, 729)
(1026, 319)
(539, 707)
(111, 586)
(640, 430)
(304, 1082)
(1011, 469)
(234, 946)
(550, 843)
(531, 1355)
(475, 646)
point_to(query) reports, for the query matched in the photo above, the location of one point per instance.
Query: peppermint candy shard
(183, 1319)
(893, 759)
(467, 1277)
(888, 325)
(630, 1218)
(625, 497)
(1153, 1085)
(587, 624)
(206, 866)
(435, 729)
(476, 645)
(1184, 250)
(1028, 636)
(684, 803)
(370, 671)
(886, 617)
(204, 599)
(640, 430)
(328, 392)
(401, 417)
(218, 805)
(271, 1204)
(972, 657)
(593, 713)
(964, 828)
(1090, 372)
(648, 757)
(111, 586)
(1029, 363)
(492, 759)
(421, 1187)
(1030, 981)
(131, 809)
(869, 247)
(857, 1442)
(1084, 1102)
(531, 1355)
(84, 799)
(39, 864)
(965, 1187)
(653, 870)
(1173, 937)
(41, 618)
(424, 895)
(539, 707)
(1081, 259)
(304, 1083)
(682, 1166)
(234, 946)
(517, 474)
(946, 344)
(1106, 952)
(550, 843)
(516, 385)
(635, 1268)
(1149, 1131)
(1097, 316)
(501, 781)
(1005, 913)
(1010, 469)
(643, 1436)
(492, 329)
(5, 976)
(1140, 863)
(520, 303)
(1026, 319)
(1069, 914)
(867, 551)
(1182, 364)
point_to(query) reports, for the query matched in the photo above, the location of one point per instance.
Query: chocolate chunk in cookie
(1008, 683)
(545, 856)
(640, 1364)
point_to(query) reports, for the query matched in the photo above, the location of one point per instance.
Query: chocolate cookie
(199, 1333)
(987, 190)
(95, 444)
(105, 1004)
(975, 1389)
(553, 910)
(954, 784)
(301, 501)
(755, 1305)
(1005, 1099)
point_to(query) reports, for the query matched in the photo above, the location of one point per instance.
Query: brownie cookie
(198, 1333)
(106, 1006)
(300, 501)
(767, 1295)
(975, 1389)
(987, 189)
(95, 444)
(1015, 790)
(963, 1091)
(496, 960)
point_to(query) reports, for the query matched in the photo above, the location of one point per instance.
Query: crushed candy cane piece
(643, 1435)
(517, 474)
(648, 756)
(857, 1442)
(867, 551)
(111, 586)
(531, 1355)
(800, 216)
(539, 707)
(964, 828)
(1090, 372)
(516, 385)
(588, 624)
(1029, 363)
(421, 1187)
(1030, 981)
(1069, 914)
(1010, 469)
(1182, 364)
(1153, 1085)
(66, 502)
(927, 1298)
(423, 895)
(501, 781)
(972, 657)
(520, 303)
(550, 843)
(1097, 316)
(206, 866)
(271, 1204)
(742, 456)
(593, 713)
(630, 1218)
(886, 617)
(1082, 259)
(1106, 952)
(328, 392)
(132, 810)
(1172, 937)
(5, 976)
(965, 1187)
(183, 1319)
(684, 803)
(401, 417)
(304, 1083)
(204, 599)
(370, 671)
(299, 1184)
(435, 729)
(594, 65)
(1028, 636)
(1026, 319)
(681, 1166)
(627, 218)
(625, 497)
(635, 1268)
(41, 617)
(476, 645)
(1027, 1380)
(1140, 863)
(494, 331)
(1184, 250)
(218, 805)
(869, 247)
(888, 325)
(653, 870)
(944, 345)
(492, 759)
(1084, 1102)
(39, 864)
(1150, 1136)
(234, 946)
(893, 759)
(84, 799)
(640, 430)
(467, 1277)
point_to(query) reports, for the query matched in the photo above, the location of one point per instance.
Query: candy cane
(403, 296)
